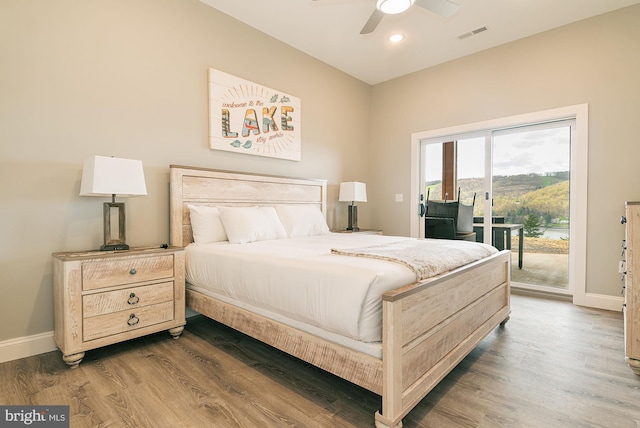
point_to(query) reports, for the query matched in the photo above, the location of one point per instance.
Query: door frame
(578, 184)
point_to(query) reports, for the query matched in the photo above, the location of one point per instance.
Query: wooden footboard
(428, 328)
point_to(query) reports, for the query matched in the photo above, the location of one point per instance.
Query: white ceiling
(329, 30)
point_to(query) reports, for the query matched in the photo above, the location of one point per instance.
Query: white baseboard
(604, 301)
(21, 347)
(590, 300)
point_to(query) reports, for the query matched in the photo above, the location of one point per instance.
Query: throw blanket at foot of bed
(425, 257)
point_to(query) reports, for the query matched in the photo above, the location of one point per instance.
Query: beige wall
(128, 78)
(596, 61)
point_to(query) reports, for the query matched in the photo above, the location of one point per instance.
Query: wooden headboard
(208, 187)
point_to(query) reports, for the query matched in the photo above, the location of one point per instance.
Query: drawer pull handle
(133, 299)
(133, 271)
(133, 320)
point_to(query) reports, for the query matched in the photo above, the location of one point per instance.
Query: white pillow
(206, 225)
(250, 224)
(302, 220)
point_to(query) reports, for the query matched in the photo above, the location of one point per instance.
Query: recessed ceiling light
(395, 38)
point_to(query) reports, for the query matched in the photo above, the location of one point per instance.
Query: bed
(427, 327)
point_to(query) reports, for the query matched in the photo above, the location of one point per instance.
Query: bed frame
(428, 327)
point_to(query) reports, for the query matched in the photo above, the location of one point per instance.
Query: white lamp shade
(353, 191)
(106, 176)
(392, 7)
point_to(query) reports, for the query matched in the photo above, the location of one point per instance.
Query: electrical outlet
(399, 197)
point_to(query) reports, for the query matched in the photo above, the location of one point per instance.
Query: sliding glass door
(518, 180)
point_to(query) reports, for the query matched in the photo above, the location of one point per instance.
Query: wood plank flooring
(552, 365)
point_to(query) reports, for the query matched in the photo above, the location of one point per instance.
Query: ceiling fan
(444, 8)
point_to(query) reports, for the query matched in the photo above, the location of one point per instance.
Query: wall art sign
(245, 117)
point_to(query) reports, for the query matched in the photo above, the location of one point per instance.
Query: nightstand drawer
(105, 297)
(123, 321)
(126, 299)
(130, 270)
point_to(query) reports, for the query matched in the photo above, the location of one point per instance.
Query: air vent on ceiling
(472, 33)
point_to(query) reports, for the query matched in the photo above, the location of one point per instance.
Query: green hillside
(516, 196)
(551, 202)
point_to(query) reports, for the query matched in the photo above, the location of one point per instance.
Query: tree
(531, 226)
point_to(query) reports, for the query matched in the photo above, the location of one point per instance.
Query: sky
(534, 151)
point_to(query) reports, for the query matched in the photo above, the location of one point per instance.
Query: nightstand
(105, 297)
(365, 231)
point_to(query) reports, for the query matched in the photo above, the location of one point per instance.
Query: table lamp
(353, 191)
(111, 176)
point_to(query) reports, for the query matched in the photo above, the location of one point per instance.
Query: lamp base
(114, 243)
(353, 219)
(116, 247)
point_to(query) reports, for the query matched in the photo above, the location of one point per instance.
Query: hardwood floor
(552, 365)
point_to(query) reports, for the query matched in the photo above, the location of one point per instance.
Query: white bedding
(299, 278)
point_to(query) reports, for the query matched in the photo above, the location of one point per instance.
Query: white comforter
(299, 278)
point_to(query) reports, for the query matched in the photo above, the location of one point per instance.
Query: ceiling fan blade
(372, 22)
(444, 8)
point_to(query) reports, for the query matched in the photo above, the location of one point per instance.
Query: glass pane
(470, 169)
(433, 171)
(531, 188)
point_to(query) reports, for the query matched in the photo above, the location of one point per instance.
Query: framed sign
(245, 117)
